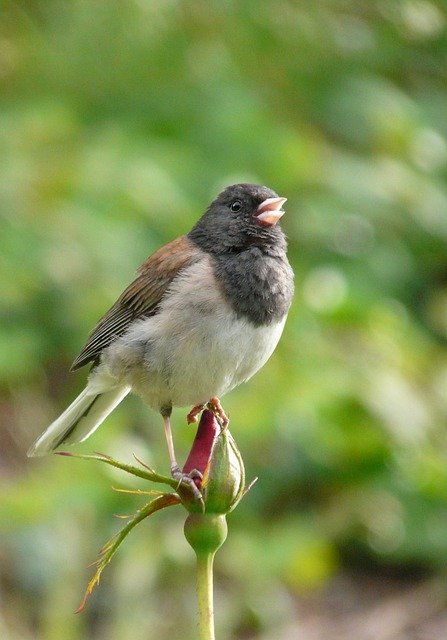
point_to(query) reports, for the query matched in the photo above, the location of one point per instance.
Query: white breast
(193, 348)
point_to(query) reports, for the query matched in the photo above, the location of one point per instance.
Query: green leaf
(110, 548)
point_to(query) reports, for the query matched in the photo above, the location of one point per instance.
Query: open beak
(270, 211)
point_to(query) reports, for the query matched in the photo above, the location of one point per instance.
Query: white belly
(193, 348)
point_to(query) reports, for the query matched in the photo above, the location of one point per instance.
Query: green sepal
(147, 474)
(224, 481)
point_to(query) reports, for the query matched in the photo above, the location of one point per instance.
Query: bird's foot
(188, 480)
(222, 418)
(192, 415)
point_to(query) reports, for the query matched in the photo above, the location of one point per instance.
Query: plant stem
(205, 595)
(205, 532)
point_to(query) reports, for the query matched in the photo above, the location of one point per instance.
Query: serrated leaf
(139, 492)
(135, 471)
(110, 548)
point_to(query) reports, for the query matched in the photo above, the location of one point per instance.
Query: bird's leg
(192, 415)
(222, 418)
(183, 478)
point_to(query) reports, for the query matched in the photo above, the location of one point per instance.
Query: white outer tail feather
(79, 420)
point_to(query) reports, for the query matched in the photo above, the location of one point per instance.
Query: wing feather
(142, 296)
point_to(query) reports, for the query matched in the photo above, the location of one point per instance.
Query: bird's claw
(188, 480)
(214, 406)
(222, 418)
(193, 414)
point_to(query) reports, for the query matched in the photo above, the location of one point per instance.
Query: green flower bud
(224, 479)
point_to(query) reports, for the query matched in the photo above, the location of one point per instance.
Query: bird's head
(240, 216)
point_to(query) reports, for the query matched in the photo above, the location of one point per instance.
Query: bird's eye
(236, 205)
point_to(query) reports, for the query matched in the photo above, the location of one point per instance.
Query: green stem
(205, 532)
(205, 595)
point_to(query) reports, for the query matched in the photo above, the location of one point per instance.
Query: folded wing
(142, 296)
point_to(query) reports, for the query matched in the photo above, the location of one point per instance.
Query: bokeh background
(119, 122)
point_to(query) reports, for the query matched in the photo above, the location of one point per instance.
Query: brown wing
(142, 296)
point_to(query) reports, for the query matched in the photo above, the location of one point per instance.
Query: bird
(203, 314)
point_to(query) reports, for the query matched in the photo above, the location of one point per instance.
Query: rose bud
(215, 455)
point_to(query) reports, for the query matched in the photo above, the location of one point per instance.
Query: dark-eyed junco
(204, 313)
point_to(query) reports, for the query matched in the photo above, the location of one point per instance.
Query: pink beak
(270, 211)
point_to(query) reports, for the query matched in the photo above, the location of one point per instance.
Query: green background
(119, 122)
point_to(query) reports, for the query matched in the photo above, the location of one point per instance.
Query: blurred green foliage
(119, 122)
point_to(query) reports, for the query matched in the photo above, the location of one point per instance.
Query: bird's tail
(80, 419)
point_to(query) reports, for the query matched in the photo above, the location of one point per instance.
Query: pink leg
(183, 478)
